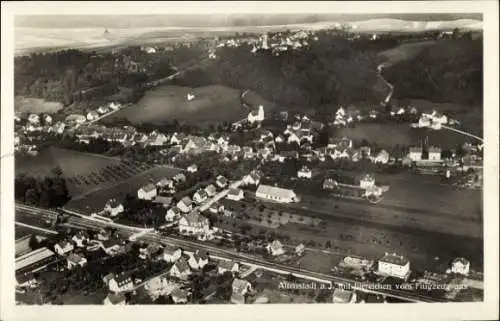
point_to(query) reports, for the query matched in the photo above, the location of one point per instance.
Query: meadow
(212, 105)
(36, 105)
(404, 51)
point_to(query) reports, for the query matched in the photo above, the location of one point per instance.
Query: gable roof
(182, 265)
(275, 191)
(227, 265)
(186, 200)
(148, 188)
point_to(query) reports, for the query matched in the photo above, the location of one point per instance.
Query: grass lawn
(36, 105)
(212, 105)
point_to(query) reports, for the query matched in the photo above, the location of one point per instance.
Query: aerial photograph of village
(248, 159)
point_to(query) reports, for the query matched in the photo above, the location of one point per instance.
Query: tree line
(48, 192)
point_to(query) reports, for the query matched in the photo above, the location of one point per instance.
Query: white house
(113, 207)
(235, 194)
(165, 183)
(252, 179)
(240, 289)
(304, 172)
(256, 116)
(221, 181)
(192, 168)
(34, 119)
(434, 154)
(190, 96)
(185, 204)
(92, 115)
(276, 194)
(63, 247)
(299, 250)
(194, 223)
(59, 127)
(47, 120)
(74, 260)
(173, 214)
(171, 254)
(227, 266)
(114, 106)
(382, 157)
(460, 266)
(197, 260)
(102, 110)
(180, 269)
(147, 192)
(200, 196)
(80, 239)
(394, 265)
(211, 190)
(275, 248)
(121, 283)
(415, 154)
(366, 181)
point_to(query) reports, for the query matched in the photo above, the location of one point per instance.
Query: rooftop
(33, 257)
(394, 259)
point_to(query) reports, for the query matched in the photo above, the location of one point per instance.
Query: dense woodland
(48, 192)
(335, 71)
(448, 71)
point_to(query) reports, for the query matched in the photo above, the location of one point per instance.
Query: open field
(213, 104)
(404, 51)
(387, 135)
(36, 105)
(95, 201)
(83, 172)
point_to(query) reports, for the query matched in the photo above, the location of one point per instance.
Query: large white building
(256, 117)
(394, 265)
(434, 154)
(276, 194)
(415, 154)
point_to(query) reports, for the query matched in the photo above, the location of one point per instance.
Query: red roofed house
(171, 254)
(235, 194)
(200, 196)
(75, 260)
(198, 260)
(227, 266)
(113, 207)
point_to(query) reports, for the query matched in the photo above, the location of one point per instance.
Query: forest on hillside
(335, 70)
(448, 71)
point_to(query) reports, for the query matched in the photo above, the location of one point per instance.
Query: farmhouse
(252, 179)
(275, 248)
(147, 192)
(227, 266)
(256, 116)
(173, 214)
(194, 223)
(92, 115)
(221, 181)
(382, 157)
(200, 196)
(165, 183)
(415, 154)
(63, 247)
(75, 260)
(179, 296)
(198, 260)
(34, 119)
(366, 181)
(112, 246)
(276, 194)
(185, 204)
(75, 119)
(80, 239)
(394, 265)
(434, 154)
(235, 194)
(211, 190)
(113, 207)
(115, 299)
(240, 289)
(121, 283)
(180, 269)
(460, 266)
(171, 254)
(304, 172)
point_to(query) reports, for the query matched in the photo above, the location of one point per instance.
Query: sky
(213, 20)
